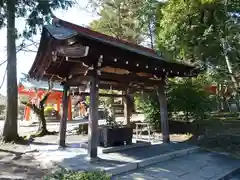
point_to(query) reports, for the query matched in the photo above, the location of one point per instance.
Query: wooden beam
(63, 122)
(75, 51)
(163, 113)
(110, 95)
(118, 78)
(128, 78)
(118, 87)
(136, 62)
(69, 67)
(101, 94)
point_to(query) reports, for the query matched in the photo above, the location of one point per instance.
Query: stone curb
(126, 147)
(225, 176)
(116, 149)
(150, 161)
(165, 157)
(228, 175)
(122, 168)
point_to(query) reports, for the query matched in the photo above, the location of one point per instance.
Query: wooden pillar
(163, 113)
(93, 118)
(63, 122)
(70, 107)
(127, 110)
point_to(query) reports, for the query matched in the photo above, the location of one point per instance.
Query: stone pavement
(197, 166)
(14, 164)
(20, 164)
(75, 158)
(147, 152)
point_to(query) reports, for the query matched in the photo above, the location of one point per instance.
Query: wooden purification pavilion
(79, 57)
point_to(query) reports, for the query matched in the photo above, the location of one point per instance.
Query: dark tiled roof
(62, 30)
(67, 30)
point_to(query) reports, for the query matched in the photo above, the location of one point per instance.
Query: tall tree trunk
(229, 66)
(150, 34)
(10, 131)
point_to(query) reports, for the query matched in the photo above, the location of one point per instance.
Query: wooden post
(163, 113)
(70, 107)
(63, 122)
(127, 109)
(93, 118)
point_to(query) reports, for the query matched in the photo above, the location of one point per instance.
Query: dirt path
(15, 164)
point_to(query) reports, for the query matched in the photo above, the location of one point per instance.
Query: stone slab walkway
(197, 166)
(75, 158)
(147, 152)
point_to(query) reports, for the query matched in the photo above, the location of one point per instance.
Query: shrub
(70, 175)
(183, 97)
(48, 110)
(190, 98)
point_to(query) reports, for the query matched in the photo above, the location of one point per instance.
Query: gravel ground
(15, 163)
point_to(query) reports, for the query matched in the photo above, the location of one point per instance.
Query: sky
(81, 15)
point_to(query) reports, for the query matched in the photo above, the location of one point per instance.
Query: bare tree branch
(31, 106)
(3, 62)
(43, 101)
(29, 50)
(4, 76)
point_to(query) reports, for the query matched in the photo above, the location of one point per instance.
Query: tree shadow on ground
(17, 155)
(42, 143)
(24, 167)
(82, 163)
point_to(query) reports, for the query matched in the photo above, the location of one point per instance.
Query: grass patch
(221, 133)
(70, 175)
(229, 144)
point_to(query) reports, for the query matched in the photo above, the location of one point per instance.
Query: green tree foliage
(35, 13)
(192, 30)
(119, 19)
(184, 97)
(203, 32)
(147, 15)
(186, 30)
(190, 98)
(69, 175)
(140, 17)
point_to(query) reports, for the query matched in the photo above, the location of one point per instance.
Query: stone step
(236, 176)
(200, 165)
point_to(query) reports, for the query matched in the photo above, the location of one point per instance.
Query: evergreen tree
(119, 19)
(35, 13)
(204, 32)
